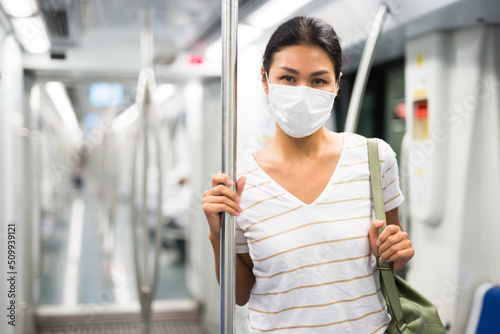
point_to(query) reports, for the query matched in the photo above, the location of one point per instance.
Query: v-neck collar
(295, 198)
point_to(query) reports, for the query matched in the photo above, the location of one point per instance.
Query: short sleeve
(241, 239)
(393, 197)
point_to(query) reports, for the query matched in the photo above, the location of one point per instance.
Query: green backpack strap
(386, 273)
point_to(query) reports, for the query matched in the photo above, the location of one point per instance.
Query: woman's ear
(338, 83)
(265, 86)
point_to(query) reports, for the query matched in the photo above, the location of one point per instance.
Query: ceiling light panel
(32, 34)
(20, 8)
(274, 12)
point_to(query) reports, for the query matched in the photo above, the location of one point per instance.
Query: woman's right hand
(220, 198)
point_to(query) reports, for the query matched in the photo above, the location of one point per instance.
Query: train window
(105, 95)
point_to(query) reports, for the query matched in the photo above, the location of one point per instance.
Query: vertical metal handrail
(25, 298)
(114, 193)
(228, 248)
(146, 284)
(148, 126)
(404, 210)
(110, 170)
(365, 64)
(156, 138)
(108, 194)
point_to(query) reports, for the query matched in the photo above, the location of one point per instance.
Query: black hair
(302, 30)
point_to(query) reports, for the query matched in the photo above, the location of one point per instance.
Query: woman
(306, 238)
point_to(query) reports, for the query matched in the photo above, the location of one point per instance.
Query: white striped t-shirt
(313, 267)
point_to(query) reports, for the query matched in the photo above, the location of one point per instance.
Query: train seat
(485, 313)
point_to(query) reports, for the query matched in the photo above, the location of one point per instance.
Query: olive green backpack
(411, 312)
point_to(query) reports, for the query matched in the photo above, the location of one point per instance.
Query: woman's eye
(318, 81)
(288, 78)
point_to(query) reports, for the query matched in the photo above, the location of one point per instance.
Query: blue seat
(485, 313)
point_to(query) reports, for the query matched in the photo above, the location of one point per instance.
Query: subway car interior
(111, 127)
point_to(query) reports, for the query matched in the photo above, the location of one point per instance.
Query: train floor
(85, 271)
(177, 326)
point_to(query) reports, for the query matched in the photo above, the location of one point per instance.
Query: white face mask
(299, 111)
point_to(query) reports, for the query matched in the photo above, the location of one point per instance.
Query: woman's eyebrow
(291, 70)
(319, 73)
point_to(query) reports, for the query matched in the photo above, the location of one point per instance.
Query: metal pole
(148, 126)
(147, 15)
(157, 244)
(26, 235)
(228, 249)
(133, 194)
(403, 208)
(364, 69)
(146, 284)
(146, 54)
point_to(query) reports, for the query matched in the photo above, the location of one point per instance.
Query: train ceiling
(102, 37)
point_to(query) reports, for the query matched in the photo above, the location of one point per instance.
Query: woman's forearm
(244, 276)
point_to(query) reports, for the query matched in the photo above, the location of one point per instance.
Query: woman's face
(301, 65)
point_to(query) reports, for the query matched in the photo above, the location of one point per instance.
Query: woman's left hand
(393, 244)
